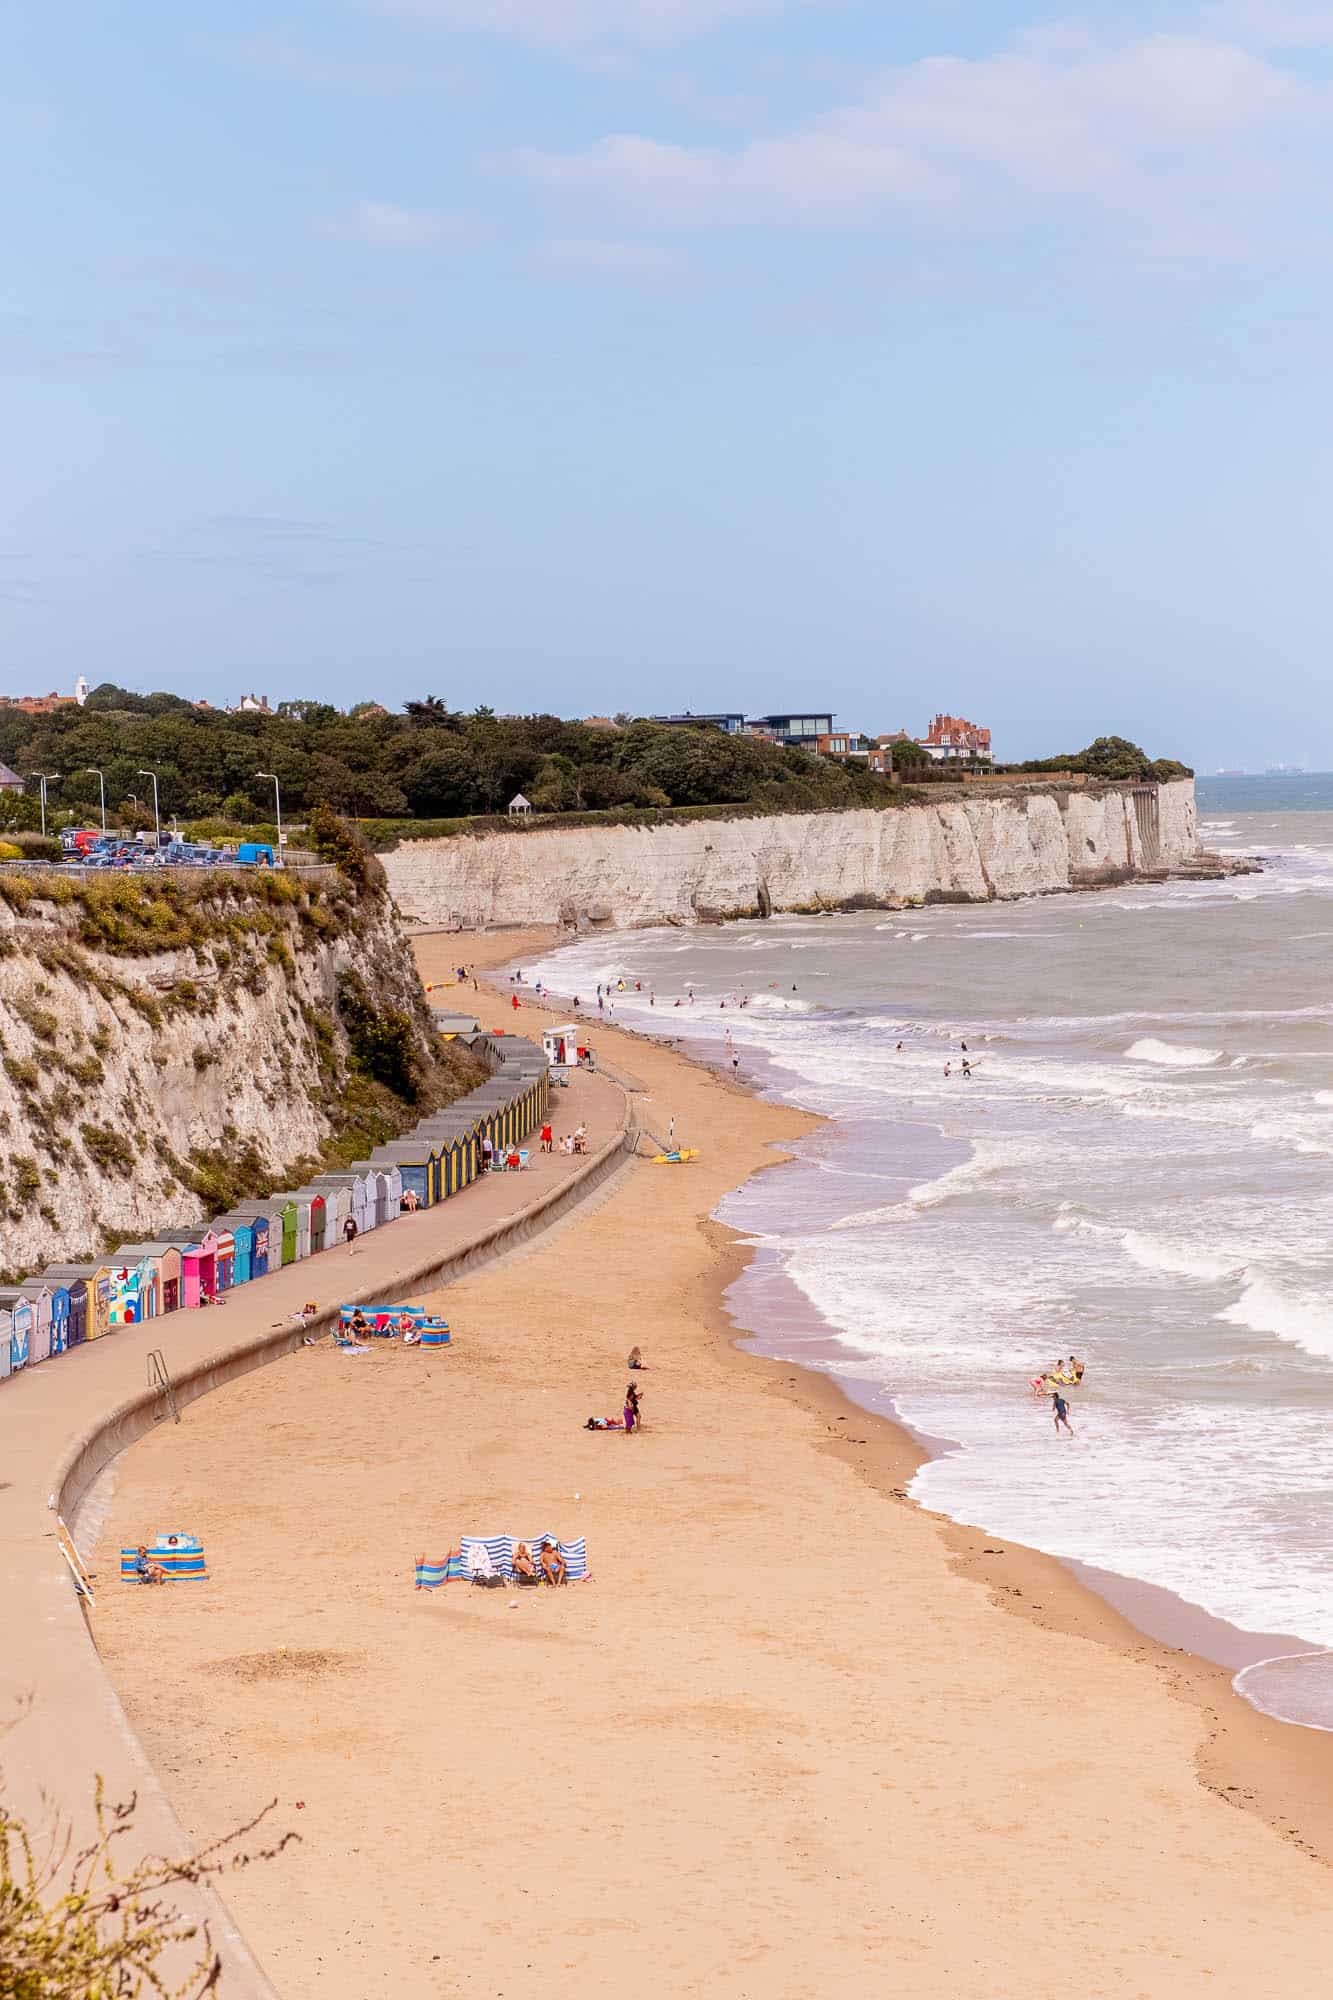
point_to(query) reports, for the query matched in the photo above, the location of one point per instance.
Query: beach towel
(181, 1565)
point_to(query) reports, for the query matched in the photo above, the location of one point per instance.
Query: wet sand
(787, 1743)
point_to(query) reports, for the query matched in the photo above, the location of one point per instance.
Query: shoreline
(764, 1778)
(1274, 1776)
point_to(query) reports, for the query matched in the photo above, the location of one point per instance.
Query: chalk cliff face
(135, 1080)
(969, 850)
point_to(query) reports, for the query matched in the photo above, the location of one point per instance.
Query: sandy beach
(796, 1738)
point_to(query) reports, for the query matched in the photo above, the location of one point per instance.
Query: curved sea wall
(1022, 843)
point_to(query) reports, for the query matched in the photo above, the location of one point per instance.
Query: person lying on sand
(525, 1569)
(553, 1563)
(146, 1571)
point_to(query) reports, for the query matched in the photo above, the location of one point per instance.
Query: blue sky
(640, 353)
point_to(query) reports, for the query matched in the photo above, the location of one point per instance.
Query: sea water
(1138, 1171)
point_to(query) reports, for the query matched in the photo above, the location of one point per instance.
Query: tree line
(426, 762)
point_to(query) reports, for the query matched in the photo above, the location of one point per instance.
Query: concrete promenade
(62, 1422)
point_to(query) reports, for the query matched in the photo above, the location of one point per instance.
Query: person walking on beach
(349, 1235)
(547, 1141)
(1060, 1413)
(631, 1408)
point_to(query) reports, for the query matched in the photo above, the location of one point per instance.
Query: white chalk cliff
(973, 849)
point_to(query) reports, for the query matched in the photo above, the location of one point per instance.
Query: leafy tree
(432, 713)
(17, 809)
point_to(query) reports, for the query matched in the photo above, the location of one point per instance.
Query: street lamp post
(157, 818)
(100, 776)
(46, 778)
(277, 807)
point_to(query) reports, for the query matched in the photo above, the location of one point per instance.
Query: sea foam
(1173, 1055)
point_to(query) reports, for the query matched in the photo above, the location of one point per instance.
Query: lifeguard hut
(568, 1047)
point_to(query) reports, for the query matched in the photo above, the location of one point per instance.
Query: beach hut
(157, 1267)
(5, 1363)
(265, 1219)
(18, 1311)
(199, 1269)
(131, 1287)
(38, 1296)
(99, 1301)
(299, 1200)
(241, 1229)
(383, 1191)
(224, 1266)
(288, 1236)
(87, 1315)
(59, 1317)
(417, 1167)
(566, 1047)
(338, 1206)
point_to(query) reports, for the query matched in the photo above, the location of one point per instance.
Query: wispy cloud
(1180, 145)
(581, 20)
(390, 227)
(616, 259)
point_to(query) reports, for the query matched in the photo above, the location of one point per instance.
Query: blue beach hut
(59, 1318)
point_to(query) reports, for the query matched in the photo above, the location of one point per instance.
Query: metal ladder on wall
(159, 1378)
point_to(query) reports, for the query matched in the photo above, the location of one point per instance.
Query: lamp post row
(46, 778)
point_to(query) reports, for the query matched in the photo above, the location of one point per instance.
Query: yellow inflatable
(676, 1159)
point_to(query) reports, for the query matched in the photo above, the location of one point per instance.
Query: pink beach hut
(199, 1276)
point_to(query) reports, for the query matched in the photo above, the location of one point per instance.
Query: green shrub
(108, 1149)
(381, 1039)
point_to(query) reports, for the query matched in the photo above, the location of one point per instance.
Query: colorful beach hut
(18, 1311)
(224, 1266)
(284, 1245)
(89, 1293)
(417, 1166)
(156, 1270)
(132, 1287)
(310, 1218)
(6, 1362)
(199, 1269)
(59, 1315)
(265, 1219)
(241, 1230)
(38, 1296)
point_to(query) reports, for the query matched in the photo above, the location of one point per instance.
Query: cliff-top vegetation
(428, 763)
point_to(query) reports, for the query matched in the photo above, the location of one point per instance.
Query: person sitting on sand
(358, 1324)
(553, 1563)
(146, 1571)
(635, 1358)
(525, 1569)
